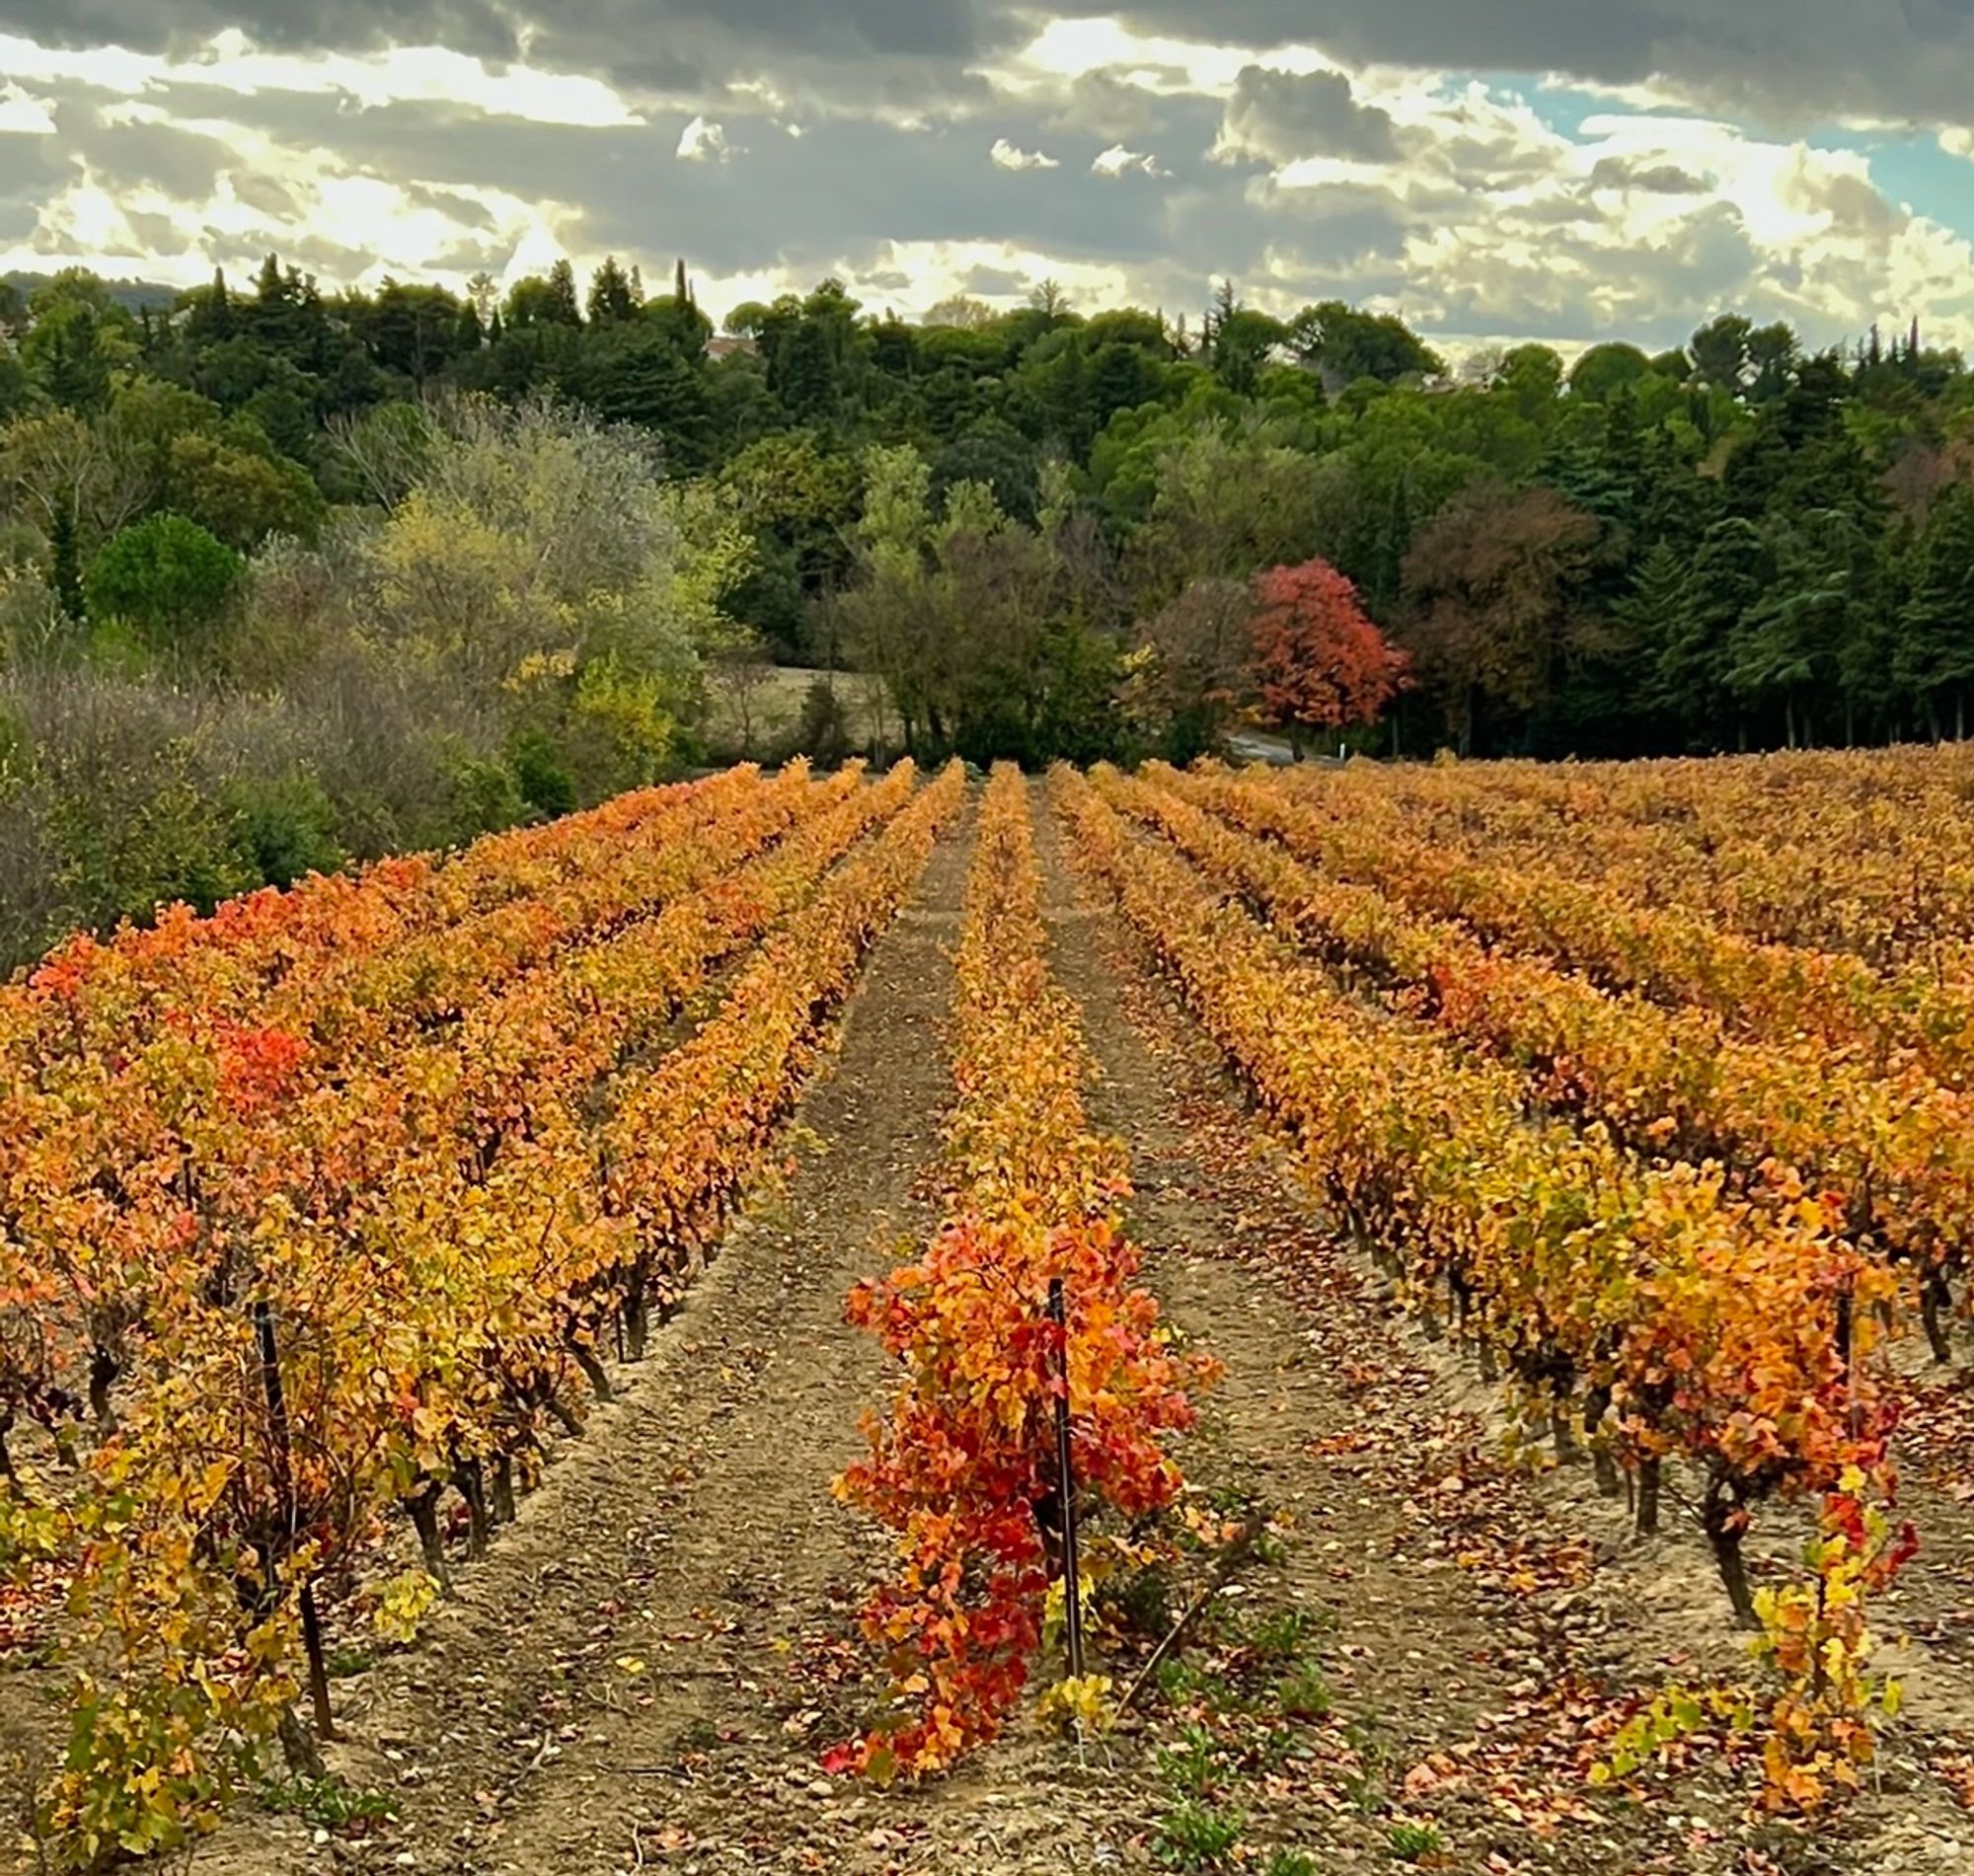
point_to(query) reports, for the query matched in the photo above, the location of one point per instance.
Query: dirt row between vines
(645, 1671)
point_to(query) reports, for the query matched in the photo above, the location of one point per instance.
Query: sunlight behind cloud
(704, 142)
(24, 115)
(1547, 207)
(399, 74)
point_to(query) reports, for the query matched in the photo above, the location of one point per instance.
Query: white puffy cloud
(703, 141)
(1118, 160)
(1011, 156)
(22, 115)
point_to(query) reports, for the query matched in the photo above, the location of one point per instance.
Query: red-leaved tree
(1319, 663)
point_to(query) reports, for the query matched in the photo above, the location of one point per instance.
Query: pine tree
(562, 307)
(610, 300)
(211, 321)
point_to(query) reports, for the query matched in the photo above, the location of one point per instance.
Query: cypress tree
(65, 570)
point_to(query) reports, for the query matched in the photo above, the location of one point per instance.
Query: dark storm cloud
(179, 163)
(467, 210)
(1655, 178)
(155, 26)
(994, 282)
(1783, 60)
(265, 195)
(1614, 39)
(818, 50)
(28, 177)
(1280, 117)
(1786, 62)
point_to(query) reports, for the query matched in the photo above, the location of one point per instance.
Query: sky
(1493, 171)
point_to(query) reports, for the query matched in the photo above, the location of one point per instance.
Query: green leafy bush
(168, 576)
(545, 783)
(286, 827)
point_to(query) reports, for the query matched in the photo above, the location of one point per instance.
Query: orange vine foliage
(1647, 1302)
(962, 1462)
(1894, 1150)
(459, 1164)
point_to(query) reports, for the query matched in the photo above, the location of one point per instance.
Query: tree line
(1041, 531)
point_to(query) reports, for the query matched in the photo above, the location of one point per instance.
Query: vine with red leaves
(962, 1459)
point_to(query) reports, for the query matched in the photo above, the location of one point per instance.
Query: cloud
(1789, 64)
(1345, 155)
(1659, 178)
(702, 142)
(24, 115)
(1011, 156)
(1279, 117)
(1784, 64)
(1117, 162)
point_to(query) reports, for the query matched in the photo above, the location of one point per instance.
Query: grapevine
(961, 1461)
(439, 1240)
(1645, 1304)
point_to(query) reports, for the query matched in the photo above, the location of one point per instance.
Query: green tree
(1346, 346)
(545, 300)
(1603, 370)
(66, 565)
(1696, 640)
(1933, 663)
(1238, 339)
(1531, 376)
(78, 343)
(1720, 352)
(166, 577)
(15, 385)
(1794, 643)
(610, 299)
(241, 495)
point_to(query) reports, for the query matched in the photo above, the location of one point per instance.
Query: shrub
(485, 796)
(286, 827)
(823, 731)
(166, 576)
(148, 837)
(544, 783)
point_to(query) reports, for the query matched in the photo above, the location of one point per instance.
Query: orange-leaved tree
(1319, 662)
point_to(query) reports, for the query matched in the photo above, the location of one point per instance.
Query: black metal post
(1071, 1569)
